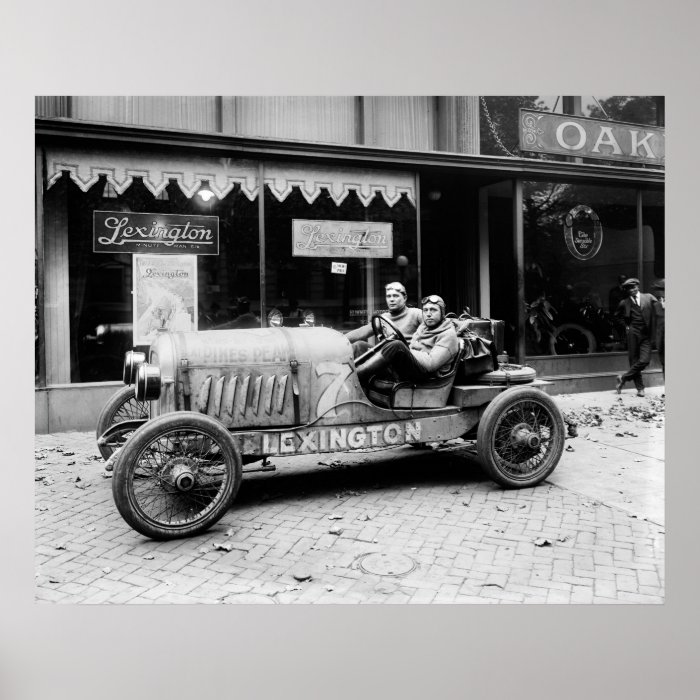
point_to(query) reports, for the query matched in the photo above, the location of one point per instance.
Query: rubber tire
(108, 414)
(486, 431)
(139, 441)
(522, 375)
(590, 338)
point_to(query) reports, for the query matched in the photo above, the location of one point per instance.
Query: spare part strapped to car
(508, 374)
(487, 328)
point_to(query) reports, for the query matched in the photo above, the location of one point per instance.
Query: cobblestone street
(398, 526)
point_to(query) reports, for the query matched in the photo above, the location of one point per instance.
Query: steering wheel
(378, 323)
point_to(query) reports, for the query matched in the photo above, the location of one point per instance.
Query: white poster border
(181, 282)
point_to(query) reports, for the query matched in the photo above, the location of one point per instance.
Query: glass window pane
(580, 240)
(38, 331)
(653, 233)
(100, 284)
(296, 285)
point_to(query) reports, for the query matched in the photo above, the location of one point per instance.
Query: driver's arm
(361, 333)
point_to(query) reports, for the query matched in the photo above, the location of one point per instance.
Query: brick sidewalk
(467, 540)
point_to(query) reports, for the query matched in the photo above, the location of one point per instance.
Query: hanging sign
(583, 232)
(563, 134)
(342, 239)
(339, 268)
(165, 295)
(140, 232)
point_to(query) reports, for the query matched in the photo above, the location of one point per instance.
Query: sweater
(407, 320)
(434, 348)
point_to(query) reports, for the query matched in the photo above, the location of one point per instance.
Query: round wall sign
(583, 232)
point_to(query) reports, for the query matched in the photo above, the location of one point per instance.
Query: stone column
(458, 124)
(56, 287)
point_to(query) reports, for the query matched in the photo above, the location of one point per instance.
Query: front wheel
(520, 437)
(122, 406)
(177, 475)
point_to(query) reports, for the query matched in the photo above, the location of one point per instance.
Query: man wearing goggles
(402, 317)
(428, 355)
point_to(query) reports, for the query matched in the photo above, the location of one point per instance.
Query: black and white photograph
(349, 358)
(428, 365)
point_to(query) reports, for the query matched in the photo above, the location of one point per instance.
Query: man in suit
(637, 311)
(659, 288)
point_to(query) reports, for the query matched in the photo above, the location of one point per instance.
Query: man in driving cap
(637, 311)
(428, 355)
(405, 319)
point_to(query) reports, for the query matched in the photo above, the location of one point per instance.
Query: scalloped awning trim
(222, 174)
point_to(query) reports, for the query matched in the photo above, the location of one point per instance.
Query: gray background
(438, 47)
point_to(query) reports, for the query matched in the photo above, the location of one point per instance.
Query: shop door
(498, 290)
(450, 241)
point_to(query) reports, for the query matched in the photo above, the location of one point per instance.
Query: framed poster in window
(165, 295)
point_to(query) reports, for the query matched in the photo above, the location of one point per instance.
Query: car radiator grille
(241, 399)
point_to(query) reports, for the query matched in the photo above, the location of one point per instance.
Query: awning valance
(222, 174)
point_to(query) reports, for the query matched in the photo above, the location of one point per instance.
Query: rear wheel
(177, 475)
(121, 407)
(520, 437)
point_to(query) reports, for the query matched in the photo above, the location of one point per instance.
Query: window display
(580, 240)
(100, 284)
(340, 296)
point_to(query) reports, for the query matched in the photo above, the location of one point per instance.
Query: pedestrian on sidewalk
(659, 288)
(637, 311)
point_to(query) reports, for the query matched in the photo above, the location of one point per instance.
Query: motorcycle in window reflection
(573, 327)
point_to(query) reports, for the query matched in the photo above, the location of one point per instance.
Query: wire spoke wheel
(121, 407)
(520, 437)
(133, 408)
(177, 475)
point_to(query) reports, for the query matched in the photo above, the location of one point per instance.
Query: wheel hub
(181, 473)
(522, 435)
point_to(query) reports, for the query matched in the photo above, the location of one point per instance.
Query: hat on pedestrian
(659, 284)
(396, 287)
(631, 282)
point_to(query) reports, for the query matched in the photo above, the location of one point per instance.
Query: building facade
(289, 182)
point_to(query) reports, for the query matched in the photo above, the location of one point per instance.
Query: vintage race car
(207, 403)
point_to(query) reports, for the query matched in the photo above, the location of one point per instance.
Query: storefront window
(228, 283)
(297, 285)
(38, 340)
(580, 240)
(653, 231)
(100, 284)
